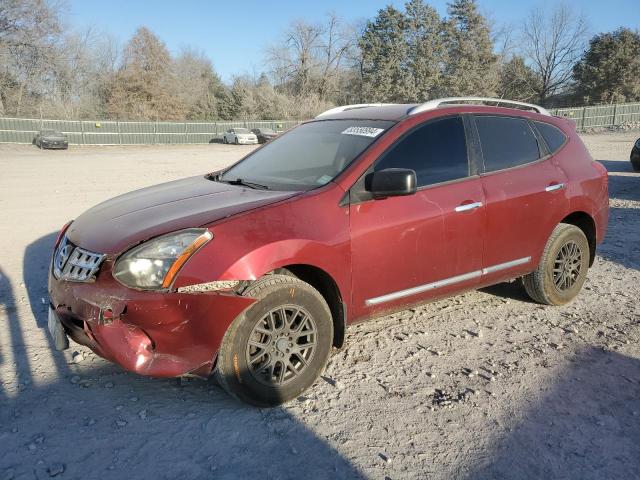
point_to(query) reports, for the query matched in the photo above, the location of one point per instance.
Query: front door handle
(554, 187)
(468, 206)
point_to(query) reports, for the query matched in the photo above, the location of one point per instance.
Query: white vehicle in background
(239, 136)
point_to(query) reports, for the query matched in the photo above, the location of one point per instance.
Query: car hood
(121, 222)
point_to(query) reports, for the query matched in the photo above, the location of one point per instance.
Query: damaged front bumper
(160, 334)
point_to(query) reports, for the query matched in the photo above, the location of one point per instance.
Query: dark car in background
(51, 139)
(635, 156)
(264, 134)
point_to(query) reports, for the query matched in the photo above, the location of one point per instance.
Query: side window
(437, 151)
(553, 136)
(506, 142)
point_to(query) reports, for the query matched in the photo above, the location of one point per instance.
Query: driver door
(410, 248)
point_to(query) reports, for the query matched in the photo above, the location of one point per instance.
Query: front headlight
(154, 264)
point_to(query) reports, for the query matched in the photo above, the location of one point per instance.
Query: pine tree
(609, 71)
(384, 50)
(472, 67)
(424, 34)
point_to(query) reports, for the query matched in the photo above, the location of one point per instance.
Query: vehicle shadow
(586, 426)
(35, 268)
(513, 290)
(95, 420)
(617, 166)
(622, 187)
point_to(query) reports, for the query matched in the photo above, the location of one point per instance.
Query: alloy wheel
(567, 266)
(281, 345)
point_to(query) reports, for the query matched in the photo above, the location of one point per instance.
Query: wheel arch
(328, 288)
(587, 224)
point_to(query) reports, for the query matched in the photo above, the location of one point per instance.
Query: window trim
(542, 148)
(566, 137)
(473, 166)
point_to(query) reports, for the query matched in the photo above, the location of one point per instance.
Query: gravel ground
(482, 385)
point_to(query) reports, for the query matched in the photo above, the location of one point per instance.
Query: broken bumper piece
(160, 334)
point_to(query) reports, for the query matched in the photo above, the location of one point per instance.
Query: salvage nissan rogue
(254, 272)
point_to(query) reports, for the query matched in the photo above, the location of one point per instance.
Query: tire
(635, 162)
(236, 141)
(224, 139)
(256, 382)
(563, 267)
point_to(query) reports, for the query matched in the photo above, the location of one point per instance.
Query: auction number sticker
(363, 131)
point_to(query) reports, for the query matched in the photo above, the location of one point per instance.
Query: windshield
(52, 133)
(241, 130)
(266, 130)
(309, 155)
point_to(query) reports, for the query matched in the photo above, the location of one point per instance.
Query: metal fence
(108, 132)
(600, 115)
(84, 132)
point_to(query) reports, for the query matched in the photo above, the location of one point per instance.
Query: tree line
(408, 54)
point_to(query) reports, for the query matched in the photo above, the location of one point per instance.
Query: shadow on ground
(569, 431)
(96, 421)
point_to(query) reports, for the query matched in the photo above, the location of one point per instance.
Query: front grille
(75, 264)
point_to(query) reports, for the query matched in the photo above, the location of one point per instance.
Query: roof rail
(432, 104)
(350, 107)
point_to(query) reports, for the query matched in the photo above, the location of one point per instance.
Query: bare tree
(551, 45)
(310, 58)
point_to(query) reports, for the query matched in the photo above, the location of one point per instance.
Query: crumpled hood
(113, 226)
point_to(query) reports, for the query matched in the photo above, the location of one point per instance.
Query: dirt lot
(483, 385)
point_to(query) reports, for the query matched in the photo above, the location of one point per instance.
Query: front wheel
(563, 267)
(237, 142)
(279, 347)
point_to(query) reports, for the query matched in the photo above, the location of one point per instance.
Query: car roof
(397, 112)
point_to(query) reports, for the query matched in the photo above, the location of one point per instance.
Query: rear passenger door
(524, 193)
(428, 244)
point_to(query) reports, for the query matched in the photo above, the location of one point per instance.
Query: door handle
(468, 206)
(554, 187)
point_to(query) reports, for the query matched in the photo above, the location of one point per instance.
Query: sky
(234, 34)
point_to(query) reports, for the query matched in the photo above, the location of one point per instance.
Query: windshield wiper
(245, 183)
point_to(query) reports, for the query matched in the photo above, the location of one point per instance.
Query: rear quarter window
(506, 142)
(553, 136)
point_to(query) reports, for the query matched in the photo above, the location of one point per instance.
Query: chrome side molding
(445, 282)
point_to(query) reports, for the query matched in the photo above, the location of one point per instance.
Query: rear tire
(237, 142)
(563, 267)
(224, 139)
(279, 347)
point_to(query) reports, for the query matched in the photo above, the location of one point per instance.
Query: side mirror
(391, 182)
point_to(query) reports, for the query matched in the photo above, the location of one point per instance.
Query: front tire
(237, 142)
(563, 267)
(279, 347)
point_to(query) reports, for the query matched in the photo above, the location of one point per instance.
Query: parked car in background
(635, 156)
(51, 139)
(254, 272)
(239, 136)
(264, 134)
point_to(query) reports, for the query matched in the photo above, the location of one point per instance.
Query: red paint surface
(369, 249)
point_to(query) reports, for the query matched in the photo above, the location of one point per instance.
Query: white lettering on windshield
(363, 131)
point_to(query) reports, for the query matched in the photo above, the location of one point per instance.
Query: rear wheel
(237, 142)
(224, 139)
(562, 269)
(277, 348)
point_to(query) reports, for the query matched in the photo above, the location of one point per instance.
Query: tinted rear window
(553, 136)
(437, 151)
(506, 142)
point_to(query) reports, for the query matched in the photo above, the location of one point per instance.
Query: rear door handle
(555, 186)
(468, 206)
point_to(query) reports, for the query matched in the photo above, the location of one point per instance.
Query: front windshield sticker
(324, 179)
(363, 131)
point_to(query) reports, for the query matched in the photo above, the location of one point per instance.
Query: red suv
(255, 271)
